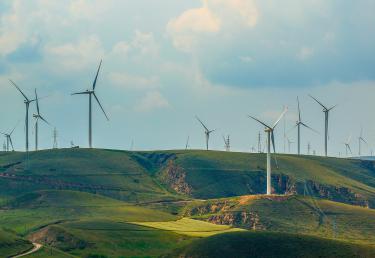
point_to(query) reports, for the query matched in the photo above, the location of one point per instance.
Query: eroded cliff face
(175, 178)
(247, 220)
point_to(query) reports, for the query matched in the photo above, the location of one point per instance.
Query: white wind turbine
(207, 132)
(270, 138)
(37, 116)
(91, 93)
(347, 146)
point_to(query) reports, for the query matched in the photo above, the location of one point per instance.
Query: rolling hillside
(108, 203)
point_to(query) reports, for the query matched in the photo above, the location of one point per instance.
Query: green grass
(87, 238)
(294, 214)
(10, 244)
(190, 227)
(37, 209)
(275, 245)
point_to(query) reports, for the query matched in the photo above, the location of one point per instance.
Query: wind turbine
(360, 140)
(8, 137)
(298, 125)
(326, 120)
(347, 146)
(27, 102)
(91, 93)
(270, 137)
(187, 143)
(37, 116)
(207, 132)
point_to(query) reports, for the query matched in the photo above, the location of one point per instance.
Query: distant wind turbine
(91, 93)
(37, 116)
(27, 102)
(347, 146)
(289, 143)
(8, 137)
(270, 138)
(207, 132)
(360, 140)
(298, 125)
(326, 120)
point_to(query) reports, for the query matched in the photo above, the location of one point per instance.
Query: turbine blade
(291, 129)
(14, 127)
(82, 92)
(212, 131)
(11, 143)
(308, 127)
(44, 120)
(202, 123)
(350, 149)
(273, 142)
(100, 106)
(332, 108)
(281, 116)
(15, 85)
(37, 102)
(299, 111)
(318, 102)
(259, 121)
(96, 77)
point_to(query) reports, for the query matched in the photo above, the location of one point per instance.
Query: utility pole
(55, 138)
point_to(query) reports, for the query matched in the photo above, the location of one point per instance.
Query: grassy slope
(249, 244)
(111, 173)
(190, 227)
(296, 215)
(219, 174)
(10, 244)
(37, 209)
(130, 176)
(113, 239)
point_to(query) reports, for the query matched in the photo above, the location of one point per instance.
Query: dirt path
(35, 249)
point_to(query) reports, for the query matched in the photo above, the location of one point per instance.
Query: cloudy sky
(165, 61)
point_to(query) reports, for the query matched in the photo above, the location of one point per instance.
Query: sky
(167, 61)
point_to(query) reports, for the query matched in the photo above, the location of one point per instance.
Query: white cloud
(186, 29)
(151, 101)
(127, 81)
(246, 59)
(89, 9)
(305, 53)
(78, 55)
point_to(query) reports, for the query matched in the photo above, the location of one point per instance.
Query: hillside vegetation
(108, 203)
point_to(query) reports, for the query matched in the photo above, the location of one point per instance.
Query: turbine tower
(326, 120)
(270, 138)
(360, 140)
(27, 102)
(298, 125)
(37, 116)
(8, 137)
(91, 93)
(347, 146)
(207, 132)
(187, 143)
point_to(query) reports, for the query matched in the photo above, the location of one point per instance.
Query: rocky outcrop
(248, 220)
(175, 178)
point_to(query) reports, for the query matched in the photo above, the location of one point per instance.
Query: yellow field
(190, 227)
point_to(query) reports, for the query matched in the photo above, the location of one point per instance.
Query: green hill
(289, 214)
(108, 203)
(275, 245)
(10, 244)
(173, 175)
